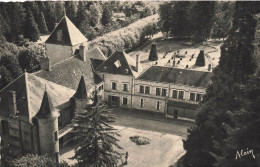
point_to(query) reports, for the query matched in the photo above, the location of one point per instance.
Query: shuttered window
(141, 89)
(192, 96)
(198, 98)
(164, 92)
(158, 91)
(147, 89)
(174, 93)
(181, 95)
(124, 100)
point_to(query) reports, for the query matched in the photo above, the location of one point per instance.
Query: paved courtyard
(165, 138)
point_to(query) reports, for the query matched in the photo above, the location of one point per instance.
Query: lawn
(163, 150)
(211, 50)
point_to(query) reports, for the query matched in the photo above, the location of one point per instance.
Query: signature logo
(247, 152)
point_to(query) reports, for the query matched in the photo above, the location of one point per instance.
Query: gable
(116, 64)
(66, 33)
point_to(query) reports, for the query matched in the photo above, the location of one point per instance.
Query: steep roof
(81, 92)
(29, 95)
(120, 63)
(96, 53)
(47, 110)
(66, 33)
(177, 76)
(69, 72)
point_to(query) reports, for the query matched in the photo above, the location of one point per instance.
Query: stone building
(35, 114)
(36, 109)
(171, 91)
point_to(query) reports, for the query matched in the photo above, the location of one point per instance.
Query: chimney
(82, 53)
(209, 67)
(173, 63)
(12, 107)
(137, 63)
(45, 63)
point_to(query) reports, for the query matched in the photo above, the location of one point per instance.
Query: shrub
(140, 140)
(200, 59)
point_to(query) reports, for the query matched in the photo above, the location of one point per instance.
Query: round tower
(48, 128)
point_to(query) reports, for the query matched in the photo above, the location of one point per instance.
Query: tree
(97, 139)
(202, 15)
(95, 11)
(165, 12)
(28, 60)
(106, 16)
(43, 27)
(50, 15)
(31, 30)
(181, 23)
(33, 161)
(17, 18)
(71, 10)
(59, 11)
(223, 19)
(205, 143)
(200, 61)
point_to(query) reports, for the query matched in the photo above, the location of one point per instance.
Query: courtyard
(165, 136)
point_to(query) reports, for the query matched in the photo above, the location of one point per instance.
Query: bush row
(127, 38)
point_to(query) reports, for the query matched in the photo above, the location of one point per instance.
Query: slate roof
(47, 110)
(120, 63)
(68, 73)
(176, 76)
(29, 95)
(81, 92)
(70, 35)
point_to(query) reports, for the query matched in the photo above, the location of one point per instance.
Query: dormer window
(59, 35)
(117, 64)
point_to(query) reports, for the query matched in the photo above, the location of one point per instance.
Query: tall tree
(106, 16)
(59, 11)
(181, 23)
(202, 13)
(95, 14)
(165, 12)
(222, 97)
(50, 15)
(43, 27)
(71, 10)
(17, 18)
(96, 137)
(31, 30)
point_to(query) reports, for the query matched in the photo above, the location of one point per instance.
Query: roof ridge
(28, 96)
(67, 26)
(54, 29)
(12, 82)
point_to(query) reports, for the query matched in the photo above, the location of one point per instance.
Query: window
(158, 91)
(56, 136)
(141, 103)
(198, 98)
(124, 100)
(158, 105)
(114, 85)
(164, 92)
(181, 95)
(59, 35)
(174, 93)
(147, 90)
(100, 88)
(192, 96)
(125, 87)
(141, 89)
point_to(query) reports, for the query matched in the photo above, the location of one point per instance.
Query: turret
(47, 119)
(80, 98)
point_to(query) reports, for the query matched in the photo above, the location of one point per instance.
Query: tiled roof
(120, 63)
(96, 53)
(177, 76)
(68, 73)
(29, 95)
(66, 33)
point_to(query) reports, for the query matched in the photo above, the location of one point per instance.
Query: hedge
(126, 38)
